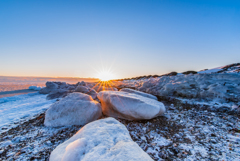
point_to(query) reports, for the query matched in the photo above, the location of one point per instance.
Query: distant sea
(10, 86)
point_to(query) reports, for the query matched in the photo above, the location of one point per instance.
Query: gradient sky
(133, 38)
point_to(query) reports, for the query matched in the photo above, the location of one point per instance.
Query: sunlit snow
(14, 108)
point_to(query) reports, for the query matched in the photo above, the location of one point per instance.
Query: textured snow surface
(31, 140)
(178, 135)
(208, 71)
(35, 88)
(105, 140)
(87, 90)
(231, 68)
(129, 106)
(129, 90)
(14, 108)
(188, 135)
(74, 109)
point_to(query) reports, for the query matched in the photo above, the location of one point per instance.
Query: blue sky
(132, 38)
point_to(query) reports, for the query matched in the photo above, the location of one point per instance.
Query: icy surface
(31, 140)
(129, 106)
(129, 90)
(105, 140)
(178, 135)
(35, 88)
(14, 108)
(87, 90)
(74, 109)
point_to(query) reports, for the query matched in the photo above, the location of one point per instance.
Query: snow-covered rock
(71, 87)
(45, 90)
(82, 83)
(74, 109)
(223, 87)
(129, 106)
(87, 90)
(82, 89)
(231, 68)
(129, 90)
(51, 85)
(57, 93)
(35, 88)
(105, 140)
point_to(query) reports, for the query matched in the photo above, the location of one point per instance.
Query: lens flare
(105, 76)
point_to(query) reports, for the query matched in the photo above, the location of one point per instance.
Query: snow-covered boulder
(74, 109)
(71, 87)
(82, 83)
(82, 89)
(46, 90)
(87, 90)
(129, 106)
(104, 140)
(129, 90)
(51, 85)
(35, 88)
(57, 93)
(63, 85)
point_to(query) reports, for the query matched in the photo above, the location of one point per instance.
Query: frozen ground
(188, 134)
(182, 134)
(31, 140)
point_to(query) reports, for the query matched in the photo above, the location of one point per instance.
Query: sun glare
(105, 76)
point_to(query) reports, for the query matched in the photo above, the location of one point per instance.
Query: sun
(106, 75)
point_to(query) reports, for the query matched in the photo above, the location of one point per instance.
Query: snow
(218, 87)
(185, 132)
(35, 88)
(161, 141)
(86, 90)
(14, 108)
(129, 106)
(74, 109)
(208, 71)
(31, 140)
(105, 140)
(129, 90)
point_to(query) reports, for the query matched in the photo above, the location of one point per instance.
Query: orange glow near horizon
(106, 76)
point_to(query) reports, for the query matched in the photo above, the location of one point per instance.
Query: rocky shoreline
(31, 140)
(182, 133)
(178, 125)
